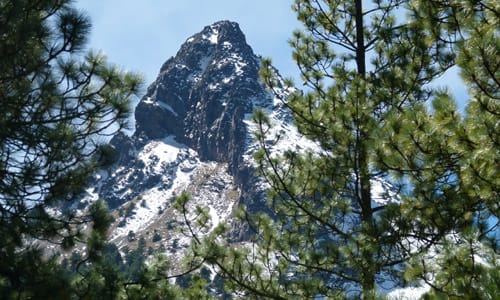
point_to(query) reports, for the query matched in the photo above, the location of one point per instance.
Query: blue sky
(142, 35)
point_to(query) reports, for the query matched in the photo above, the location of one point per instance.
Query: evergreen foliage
(399, 180)
(57, 101)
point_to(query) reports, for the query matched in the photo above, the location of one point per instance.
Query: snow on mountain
(408, 293)
(194, 134)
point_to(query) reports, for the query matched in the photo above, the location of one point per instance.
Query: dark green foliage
(156, 236)
(131, 236)
(112, 255)
(56, 101)
(142, 244)
(106, 155)
(27, 275)
(129, 211)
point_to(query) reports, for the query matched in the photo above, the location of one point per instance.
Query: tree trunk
(363, 172)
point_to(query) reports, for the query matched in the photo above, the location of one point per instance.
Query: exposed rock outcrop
(196, 113)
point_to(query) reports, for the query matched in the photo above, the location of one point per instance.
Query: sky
(141, 35)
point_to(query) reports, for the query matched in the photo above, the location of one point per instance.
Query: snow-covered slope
(193, 134)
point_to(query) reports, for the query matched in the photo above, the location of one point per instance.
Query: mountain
(193, 133)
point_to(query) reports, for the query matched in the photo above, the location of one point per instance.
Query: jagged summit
(195, 113)
(202, 94)
(216, 38)
(223, 31)
(193, 133)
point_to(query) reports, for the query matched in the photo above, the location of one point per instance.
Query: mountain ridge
(193, 133)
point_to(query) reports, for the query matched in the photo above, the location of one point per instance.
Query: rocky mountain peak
(195, 113)
(194, 133)
(215, 39)
(203, 94)
(225, 31)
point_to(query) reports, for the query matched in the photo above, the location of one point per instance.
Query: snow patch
(156, 153)
(213, 37)
(161, 104)
(382, 192)
(176, 168)
(213, 86)
(204, 62)
(282, 135)
(408, 293)
(168, 107)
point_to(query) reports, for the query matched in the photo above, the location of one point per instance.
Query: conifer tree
(397, 172)
(56, 102)
(467, 267)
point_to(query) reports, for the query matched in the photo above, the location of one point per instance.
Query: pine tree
(397, 172)
(56, 103)
(467, 266)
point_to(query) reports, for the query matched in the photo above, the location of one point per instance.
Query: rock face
(194, 122)
(203, 93)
